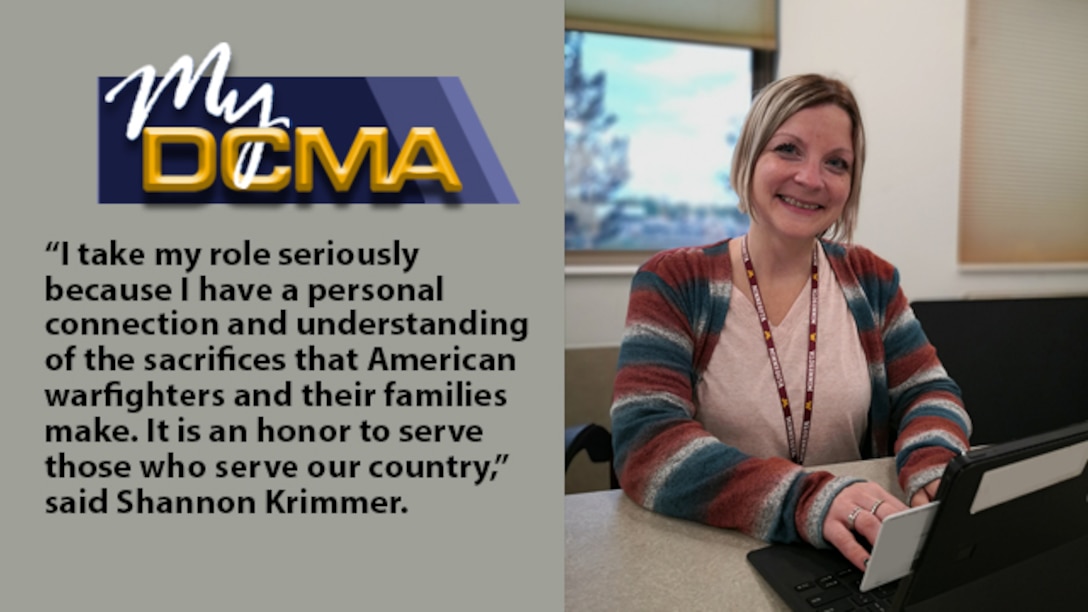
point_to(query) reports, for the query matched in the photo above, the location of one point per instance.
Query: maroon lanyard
(796, 456)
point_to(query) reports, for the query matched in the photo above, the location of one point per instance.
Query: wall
(905, 63)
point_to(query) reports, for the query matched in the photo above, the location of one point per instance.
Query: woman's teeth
(799, 204)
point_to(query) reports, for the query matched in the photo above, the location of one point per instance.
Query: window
(650, 126)
(1023, 189)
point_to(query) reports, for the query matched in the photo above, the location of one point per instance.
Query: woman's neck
(777, 257)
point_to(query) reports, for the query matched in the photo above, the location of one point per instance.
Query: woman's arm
(665, 459)
(927, 408)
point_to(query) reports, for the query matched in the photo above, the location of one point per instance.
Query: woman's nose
(808, 175)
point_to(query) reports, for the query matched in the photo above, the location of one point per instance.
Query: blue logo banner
(169, 139)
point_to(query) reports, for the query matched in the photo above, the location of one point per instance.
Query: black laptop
(1009, 531)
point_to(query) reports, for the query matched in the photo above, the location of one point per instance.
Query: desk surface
(620, 556)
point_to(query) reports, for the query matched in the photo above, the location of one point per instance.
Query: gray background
(493, 547)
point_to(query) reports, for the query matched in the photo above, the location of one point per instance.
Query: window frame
(763, 69)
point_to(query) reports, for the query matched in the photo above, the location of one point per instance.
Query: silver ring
(853, 516)
(875, 506)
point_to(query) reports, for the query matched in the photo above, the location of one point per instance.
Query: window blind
(1024, 175)
(746, 23)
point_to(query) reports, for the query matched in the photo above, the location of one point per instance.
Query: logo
(196, 135)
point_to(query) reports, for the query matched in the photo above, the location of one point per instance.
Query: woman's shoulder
(860, 259)
(692, 260)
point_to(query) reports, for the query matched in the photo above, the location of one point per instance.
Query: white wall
(904, 60)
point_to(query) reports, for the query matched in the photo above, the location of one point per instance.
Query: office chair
(596, 441)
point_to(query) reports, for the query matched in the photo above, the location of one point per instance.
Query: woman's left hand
(926, 494)
(857, 511)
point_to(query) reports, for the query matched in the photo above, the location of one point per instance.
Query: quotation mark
(58, 246)
(499, 460)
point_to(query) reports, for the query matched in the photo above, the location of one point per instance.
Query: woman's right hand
(858, 509)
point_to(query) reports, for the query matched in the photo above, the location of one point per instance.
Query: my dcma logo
(416, 139)
(310, 143)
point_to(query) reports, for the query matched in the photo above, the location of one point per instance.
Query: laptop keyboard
(839, 592)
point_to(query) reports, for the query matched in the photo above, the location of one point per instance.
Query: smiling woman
(698, 416)
(803, 177)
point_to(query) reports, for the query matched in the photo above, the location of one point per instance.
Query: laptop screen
(1009, 532)
(1010, 515)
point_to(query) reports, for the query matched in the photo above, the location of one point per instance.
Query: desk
(620, 556)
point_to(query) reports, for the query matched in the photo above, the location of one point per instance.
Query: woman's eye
(787, 147)
(840, 164)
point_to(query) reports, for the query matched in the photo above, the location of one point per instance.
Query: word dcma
(310, 143)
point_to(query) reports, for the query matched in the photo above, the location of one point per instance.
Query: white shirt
(737, 399)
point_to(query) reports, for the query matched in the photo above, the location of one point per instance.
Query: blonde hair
(775, 104)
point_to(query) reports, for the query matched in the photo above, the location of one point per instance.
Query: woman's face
(802, 177)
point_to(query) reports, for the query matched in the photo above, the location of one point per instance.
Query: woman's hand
(926, 494)
(859, 509)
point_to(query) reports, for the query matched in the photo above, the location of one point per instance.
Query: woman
(723, 391)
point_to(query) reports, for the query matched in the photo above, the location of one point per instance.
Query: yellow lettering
(153, 140)
(232, 142)
(441, 169)
(311, 142)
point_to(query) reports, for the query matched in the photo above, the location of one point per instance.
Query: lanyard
(796, 456)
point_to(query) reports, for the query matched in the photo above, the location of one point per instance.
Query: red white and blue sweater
(667, 462)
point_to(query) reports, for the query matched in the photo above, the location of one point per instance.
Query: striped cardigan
(667, 461)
